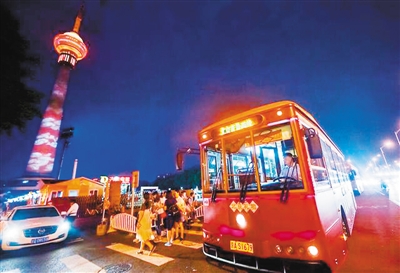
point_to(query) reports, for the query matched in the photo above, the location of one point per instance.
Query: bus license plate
(242, 246)
(40, 240)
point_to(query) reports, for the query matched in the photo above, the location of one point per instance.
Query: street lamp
(386, 144)
(396, 133)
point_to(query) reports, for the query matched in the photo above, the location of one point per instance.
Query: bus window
(239, 162)
(214, 167)
(330, 163)
(271, 145)
(319, 172)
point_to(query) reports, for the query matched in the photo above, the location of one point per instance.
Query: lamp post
(66, 134)
(386, 144)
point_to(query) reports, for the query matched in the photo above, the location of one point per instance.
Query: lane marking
(13, 271)
(77, 263)
(155, 258)
(372, 207)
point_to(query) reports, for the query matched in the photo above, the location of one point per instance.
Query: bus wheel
(345, 225)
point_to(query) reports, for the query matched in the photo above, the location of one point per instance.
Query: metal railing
(127, 222)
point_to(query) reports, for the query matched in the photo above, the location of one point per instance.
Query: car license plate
(40, 240)
(242, 246)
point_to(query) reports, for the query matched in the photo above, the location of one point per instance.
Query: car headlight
(64, 226)
(11, 233)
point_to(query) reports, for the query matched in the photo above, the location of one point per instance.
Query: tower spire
(78, 19)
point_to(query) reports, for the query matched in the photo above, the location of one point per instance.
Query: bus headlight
(241, 221)
(278, 249)
(312, 251)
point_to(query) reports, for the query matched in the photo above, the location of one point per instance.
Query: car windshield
(22, 214)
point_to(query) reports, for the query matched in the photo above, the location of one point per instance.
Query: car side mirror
(63, 213)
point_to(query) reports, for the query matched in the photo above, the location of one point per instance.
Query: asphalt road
(374, 247)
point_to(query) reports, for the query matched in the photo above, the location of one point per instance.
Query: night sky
(159, 71)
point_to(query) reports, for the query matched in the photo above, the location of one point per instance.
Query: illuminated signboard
(123, 179)
(237, 126)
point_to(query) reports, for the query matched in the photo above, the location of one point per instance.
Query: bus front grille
(271, 265)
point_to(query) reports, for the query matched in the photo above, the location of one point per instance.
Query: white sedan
(27, 226)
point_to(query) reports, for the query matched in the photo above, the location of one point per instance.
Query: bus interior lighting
(278, 122)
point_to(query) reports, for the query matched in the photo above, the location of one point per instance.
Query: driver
(291, 168)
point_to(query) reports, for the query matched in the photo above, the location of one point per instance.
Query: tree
(19, 103)
(188, 179)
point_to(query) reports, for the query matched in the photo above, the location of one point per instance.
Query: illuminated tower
(71, 49)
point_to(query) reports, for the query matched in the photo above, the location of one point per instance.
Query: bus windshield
(266, 147)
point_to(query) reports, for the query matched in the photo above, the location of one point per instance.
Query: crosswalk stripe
(77, 264)
(155, 258)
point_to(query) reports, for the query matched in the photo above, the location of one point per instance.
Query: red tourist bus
(258, 218)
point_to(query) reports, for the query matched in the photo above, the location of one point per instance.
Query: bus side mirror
(313, 143)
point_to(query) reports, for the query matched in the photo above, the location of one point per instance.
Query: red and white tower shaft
(71, 49)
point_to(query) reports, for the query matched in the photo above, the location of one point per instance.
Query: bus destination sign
(237, 126)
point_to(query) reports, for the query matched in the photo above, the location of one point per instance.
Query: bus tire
(345, 224)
